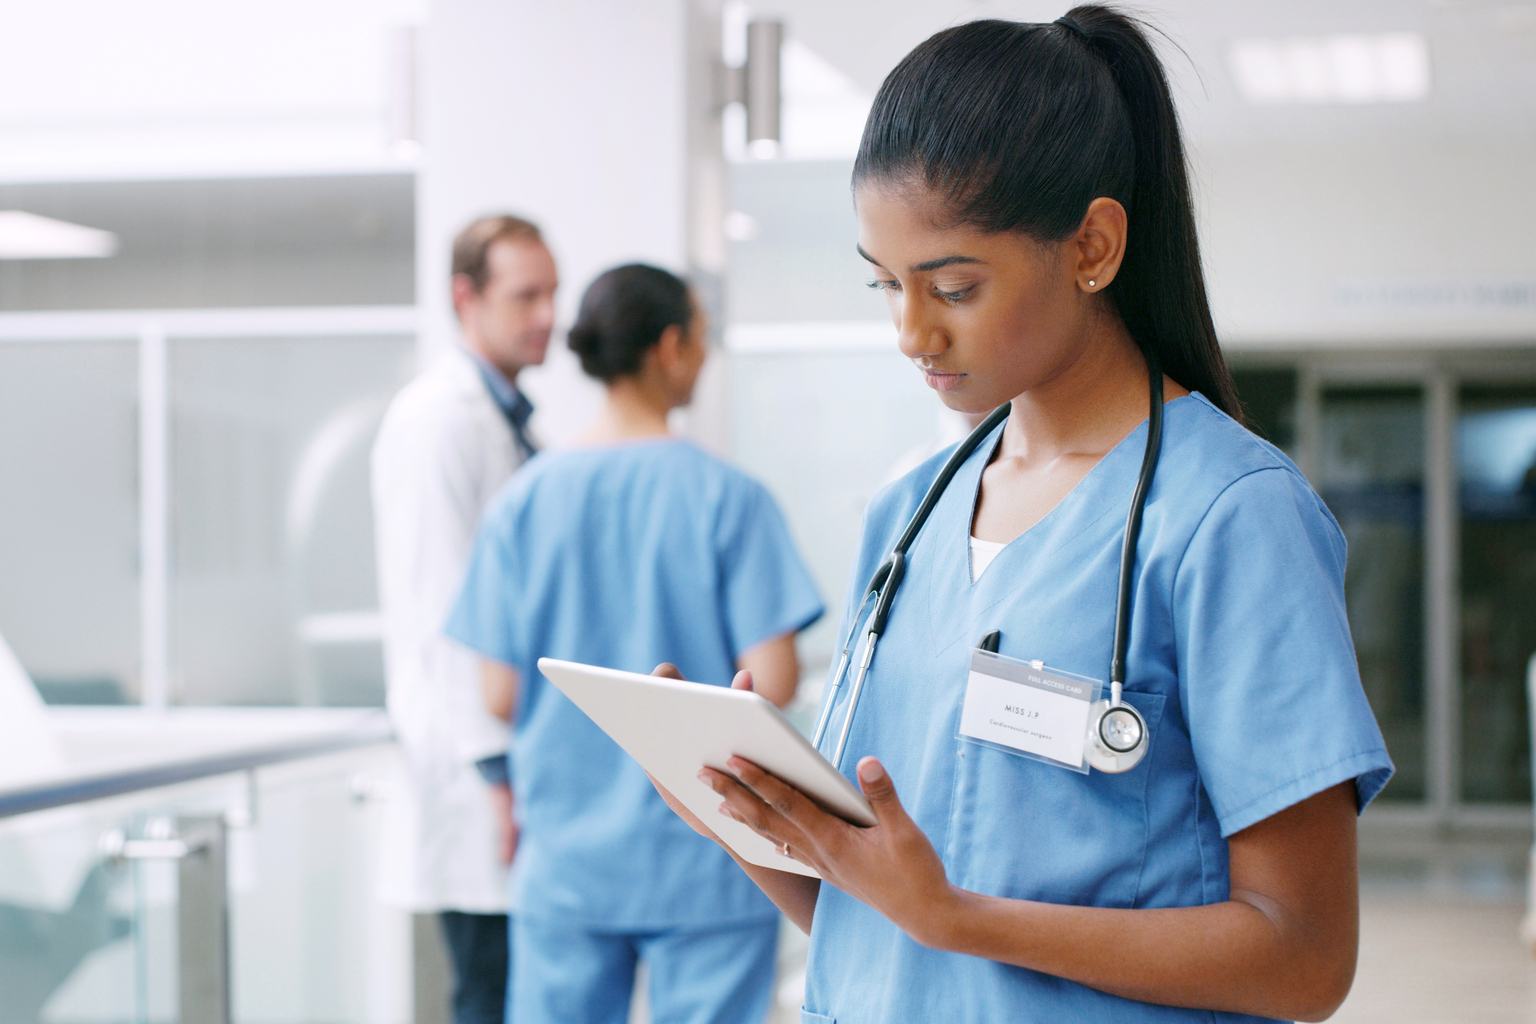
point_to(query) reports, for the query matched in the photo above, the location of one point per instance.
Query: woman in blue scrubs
(1024, 206)
(633, 548)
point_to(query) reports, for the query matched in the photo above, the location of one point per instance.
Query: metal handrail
(372, 729)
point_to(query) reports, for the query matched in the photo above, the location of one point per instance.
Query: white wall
(1412, 243)
(572, 114)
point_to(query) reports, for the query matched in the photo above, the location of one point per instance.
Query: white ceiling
(189, 88)
(1482, 53)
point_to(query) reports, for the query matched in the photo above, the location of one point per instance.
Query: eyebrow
(923, 268)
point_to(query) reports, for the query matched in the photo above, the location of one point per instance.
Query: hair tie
(1074, 27)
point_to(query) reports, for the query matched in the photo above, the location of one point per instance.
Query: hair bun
(623, 316)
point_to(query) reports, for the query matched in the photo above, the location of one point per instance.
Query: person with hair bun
(1024, 206)
(632, 548)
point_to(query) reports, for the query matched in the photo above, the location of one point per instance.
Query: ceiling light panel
(1388, 68)
(26, 236)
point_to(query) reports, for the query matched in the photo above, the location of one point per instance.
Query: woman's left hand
(891, 865)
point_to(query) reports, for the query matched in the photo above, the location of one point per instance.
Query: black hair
(1019, 127)
(622, 317)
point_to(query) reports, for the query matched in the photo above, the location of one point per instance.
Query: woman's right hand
(667, 670)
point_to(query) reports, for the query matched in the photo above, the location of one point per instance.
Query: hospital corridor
(767, 512)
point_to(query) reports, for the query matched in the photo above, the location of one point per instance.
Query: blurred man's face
(509, 321)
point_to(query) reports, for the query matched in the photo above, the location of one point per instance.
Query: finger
(667, 670)
(795, 819)
(879, 790)
(785, 799)
(748, 808)
(743, 680)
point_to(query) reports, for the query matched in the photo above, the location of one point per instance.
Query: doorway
(1429, 465)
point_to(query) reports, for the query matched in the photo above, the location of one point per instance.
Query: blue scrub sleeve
(485, 618)
(766, 588)
(1267, 670)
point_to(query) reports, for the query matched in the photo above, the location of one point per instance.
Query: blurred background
(224, 236)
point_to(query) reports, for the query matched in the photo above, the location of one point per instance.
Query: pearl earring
(1090, 284)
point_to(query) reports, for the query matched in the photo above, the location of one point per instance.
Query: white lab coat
(443, 450)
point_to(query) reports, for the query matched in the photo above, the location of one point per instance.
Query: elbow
(1323, 991)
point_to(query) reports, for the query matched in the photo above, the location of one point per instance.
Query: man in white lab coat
(450, 439)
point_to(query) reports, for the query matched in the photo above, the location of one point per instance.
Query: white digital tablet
(673, 728)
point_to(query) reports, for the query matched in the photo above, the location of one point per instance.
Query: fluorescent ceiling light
(26, 236)
(1390, 68)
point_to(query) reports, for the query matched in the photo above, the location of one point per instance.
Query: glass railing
(202, 867)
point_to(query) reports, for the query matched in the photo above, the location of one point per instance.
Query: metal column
(203, 921)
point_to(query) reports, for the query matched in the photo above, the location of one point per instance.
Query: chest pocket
(1022, 829)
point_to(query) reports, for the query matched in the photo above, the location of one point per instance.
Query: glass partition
(1371, 474)
(1496, 456)
(272, 580)
(95, 912)
(72, 925)
(825, 431)
(69, 586)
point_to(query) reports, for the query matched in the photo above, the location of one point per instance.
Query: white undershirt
(982, 553)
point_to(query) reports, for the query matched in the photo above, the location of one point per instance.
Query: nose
(917, 335)
(544, 314)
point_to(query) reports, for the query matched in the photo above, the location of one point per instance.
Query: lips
(939, 380)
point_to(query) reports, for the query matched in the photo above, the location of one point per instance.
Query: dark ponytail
(622, 317)
(1019, 127)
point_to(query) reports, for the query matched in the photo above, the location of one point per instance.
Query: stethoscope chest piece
(1117, 737)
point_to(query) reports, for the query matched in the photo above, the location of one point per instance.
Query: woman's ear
(669, 347)
(1100, 243)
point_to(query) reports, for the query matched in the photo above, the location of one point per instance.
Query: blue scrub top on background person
(625, 556)
(1240, 660)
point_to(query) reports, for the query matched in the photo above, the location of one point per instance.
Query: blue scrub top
(625, 556)
(1240, 659)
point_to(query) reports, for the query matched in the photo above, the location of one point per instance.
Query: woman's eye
(952, 297)
(885, 286)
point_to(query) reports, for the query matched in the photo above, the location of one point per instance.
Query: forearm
(1284, 944)
(794, 895)
(775, 668)
(498, 684)
(1229, 956)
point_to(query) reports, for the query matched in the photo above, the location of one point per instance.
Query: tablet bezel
(674, 727)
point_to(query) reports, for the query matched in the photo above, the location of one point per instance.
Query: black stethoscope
(1117, 733)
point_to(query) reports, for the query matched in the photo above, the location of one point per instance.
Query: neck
(482, 350)
(1085, 408)
(634, 410)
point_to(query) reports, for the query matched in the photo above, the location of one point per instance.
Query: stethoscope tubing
(887, 578)
(883, 587)
(1149, 461)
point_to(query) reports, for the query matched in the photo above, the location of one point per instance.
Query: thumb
(667, 670)
(743, 680)
(879, 790)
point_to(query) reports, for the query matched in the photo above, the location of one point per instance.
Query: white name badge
(1025, 708)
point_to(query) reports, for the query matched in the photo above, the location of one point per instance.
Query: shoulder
(682, 465)
(442, 398)
(533, 478)
(712, 467)
(1213, 469)
(895, 503)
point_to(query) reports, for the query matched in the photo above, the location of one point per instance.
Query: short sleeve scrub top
(624, 556)
(1240, 660)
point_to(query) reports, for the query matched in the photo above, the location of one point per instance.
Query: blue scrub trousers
(567, 975)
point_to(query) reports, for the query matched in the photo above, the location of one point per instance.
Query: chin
(965, 404)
